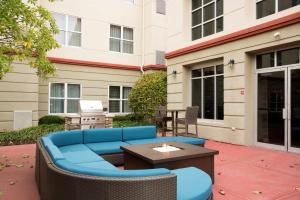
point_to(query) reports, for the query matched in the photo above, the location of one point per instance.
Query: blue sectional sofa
(70, 163)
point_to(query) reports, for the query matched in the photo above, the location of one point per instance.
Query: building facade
(239, 62)
(105, 47)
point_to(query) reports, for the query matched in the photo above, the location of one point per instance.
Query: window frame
(202, 89)
(65, 98)
(66, 30)
(122, 38)
(215, 18)
(276, 8)
(120, 99)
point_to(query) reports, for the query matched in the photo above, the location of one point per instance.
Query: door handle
(284, 113)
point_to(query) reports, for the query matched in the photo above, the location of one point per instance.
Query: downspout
(143, 37)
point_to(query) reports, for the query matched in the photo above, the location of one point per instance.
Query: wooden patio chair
(161, 119)
(191, 117)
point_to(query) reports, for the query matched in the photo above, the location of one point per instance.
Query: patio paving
(242, 173)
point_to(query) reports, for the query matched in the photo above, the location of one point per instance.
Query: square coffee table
(147, 156)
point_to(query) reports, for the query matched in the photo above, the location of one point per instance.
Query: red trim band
(254, 30)
(104, 65)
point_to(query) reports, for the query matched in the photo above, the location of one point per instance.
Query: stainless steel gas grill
(91, 116)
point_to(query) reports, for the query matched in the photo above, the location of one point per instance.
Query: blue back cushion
(54, 152)
(102, 135)
(139, 132)
(65, 138)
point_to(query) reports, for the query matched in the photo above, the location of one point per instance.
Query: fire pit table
(170, 155)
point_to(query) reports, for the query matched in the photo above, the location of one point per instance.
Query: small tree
(148, 92)
(26, 33)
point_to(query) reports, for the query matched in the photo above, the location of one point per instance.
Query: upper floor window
(130, 1)
(118, 99)
(208, 92)
(269, 7)
(207, 17)
(64, 98)
(69, 29)
(121, 39)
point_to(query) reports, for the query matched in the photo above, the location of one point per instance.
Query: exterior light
(174, 72)
(231, 63)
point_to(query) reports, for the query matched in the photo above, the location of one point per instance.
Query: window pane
(209, 28)
(288, 57)
(114, 92)
(265, 60)
(220, 24)
(115, 31)
(207, 1)
(220, 97)
(196, 95)
(114, 106)
(208, 97)
(285, 4)
(74, 24)
(128, 34)
(60, 37)
(125, 108)
(208, 71)
(56, 106)
(196, 33)
(72, 106)
(60, 20)
(127, 47)
(196, 4)
(220, 69)
(57, 90)
(219, 7)
(196, 17)
(74, 39)
(197, 73)
(209, 12)
(73, 91)
(265, 8)
(126, 91)
(114, 45)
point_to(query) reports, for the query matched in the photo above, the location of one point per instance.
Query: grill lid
(89, 106)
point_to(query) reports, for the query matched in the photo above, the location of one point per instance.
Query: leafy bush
(51, 119)
(128, 117)
(148, 92)
(28, 135)
(127, 123)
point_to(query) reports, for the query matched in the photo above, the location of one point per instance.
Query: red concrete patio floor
(241, 173)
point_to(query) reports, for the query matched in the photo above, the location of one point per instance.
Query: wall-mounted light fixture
(174, 72)
(231, 63)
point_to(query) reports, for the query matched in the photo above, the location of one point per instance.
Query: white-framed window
(121, 39)
(64, 98)
(207, 17)
(208, 91)
(69, 29)
(118, 99)
(130, 1)
(269, 7)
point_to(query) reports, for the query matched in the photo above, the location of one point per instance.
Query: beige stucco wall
(239, 110)
(238, 14)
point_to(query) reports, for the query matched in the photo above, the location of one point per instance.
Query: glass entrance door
(271, 122)
(294, 115)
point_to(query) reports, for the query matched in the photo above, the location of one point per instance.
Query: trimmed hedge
(51, 119)
(124, 123)
(28, 135)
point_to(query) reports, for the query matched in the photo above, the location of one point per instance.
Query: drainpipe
(143, 37)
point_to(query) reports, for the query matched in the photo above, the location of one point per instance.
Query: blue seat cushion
(106, 147)
(152, 140)
(79, 153)
(65, 138)
(190, 140)
(68, 166)
(98, 165)
(139, 132)
(102, 135)
(192, 184)
(54, 152)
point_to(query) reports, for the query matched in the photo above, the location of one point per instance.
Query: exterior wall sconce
(231, 63)
(174, 72)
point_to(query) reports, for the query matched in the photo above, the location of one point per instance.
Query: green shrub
(51, 119)
(128, 117)
(28, 135)
(124, 123)
(148, 92)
